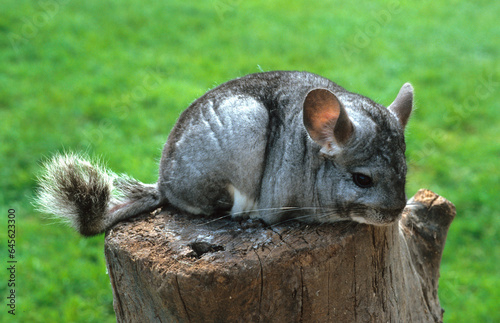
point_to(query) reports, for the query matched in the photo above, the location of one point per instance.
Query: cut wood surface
(172, 267)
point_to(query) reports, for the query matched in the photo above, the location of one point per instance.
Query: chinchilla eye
(362, 180)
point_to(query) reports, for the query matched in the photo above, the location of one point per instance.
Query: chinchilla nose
(397, 203)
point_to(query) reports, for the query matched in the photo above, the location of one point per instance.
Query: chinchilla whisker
(273, 209)
(216, 219)
(322, 214)
(267, 210)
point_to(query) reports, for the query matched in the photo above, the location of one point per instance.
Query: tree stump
(171, 267)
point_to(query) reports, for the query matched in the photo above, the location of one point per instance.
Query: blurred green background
(110, 78)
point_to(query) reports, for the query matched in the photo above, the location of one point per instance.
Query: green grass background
(110, 78)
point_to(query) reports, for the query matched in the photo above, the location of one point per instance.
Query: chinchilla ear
(403, 104)
(325, 119)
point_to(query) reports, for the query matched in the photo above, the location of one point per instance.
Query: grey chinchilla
(272, 146)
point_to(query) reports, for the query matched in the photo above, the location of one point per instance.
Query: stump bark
(171, 267)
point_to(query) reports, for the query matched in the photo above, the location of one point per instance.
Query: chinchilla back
(244, 146)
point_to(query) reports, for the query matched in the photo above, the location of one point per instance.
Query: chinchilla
(271, 146)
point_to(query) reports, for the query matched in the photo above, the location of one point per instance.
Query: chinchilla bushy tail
(89, 197)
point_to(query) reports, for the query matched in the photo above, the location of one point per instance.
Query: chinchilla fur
(272, 146)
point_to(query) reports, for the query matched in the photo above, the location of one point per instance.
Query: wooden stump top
(172, 267)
